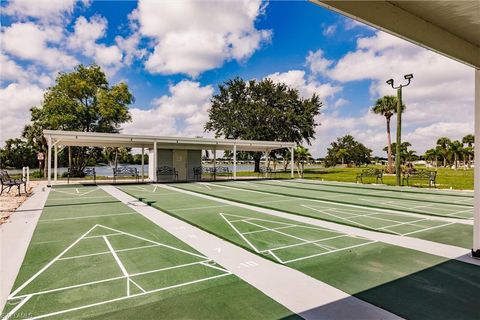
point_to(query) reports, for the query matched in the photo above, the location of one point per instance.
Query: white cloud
(193, 36)
(439, 98)
(45, 10)
(10, 70)
(15, 102)
(329, 30)
(307, 87)
(184, 111)
(317, 63)
(30, 41)
(85, 36)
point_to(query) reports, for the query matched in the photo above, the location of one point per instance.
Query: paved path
(439, 249)
(15, 236)
(302, 294)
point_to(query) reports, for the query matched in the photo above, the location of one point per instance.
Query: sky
(174, 54)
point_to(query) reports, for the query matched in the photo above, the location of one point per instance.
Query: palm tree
(301, 155)
(433, 154)
(443, 144)
(387, 106)
(469, 140)
(456, 149)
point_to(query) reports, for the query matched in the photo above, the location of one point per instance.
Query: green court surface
(445, 207)
(92, 256)
(406, 282)
(291, 201)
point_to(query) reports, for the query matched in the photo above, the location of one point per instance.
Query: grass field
(406, 282)
(446, 178)
(295, 201)
(92, 256)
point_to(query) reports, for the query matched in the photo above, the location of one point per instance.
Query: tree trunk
(389, 148)
(455, 161)
(285, 164)
(436, 162)
(257, 156)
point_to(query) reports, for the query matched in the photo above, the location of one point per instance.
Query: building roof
(96, 139)
(451, 28)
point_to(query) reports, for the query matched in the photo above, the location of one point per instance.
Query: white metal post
(55, 164)
(143, 163)
(155, 161)
(214, 164)
(266, 164)
(291, 162)
(49, 166)
(234, 162)
(476, 215)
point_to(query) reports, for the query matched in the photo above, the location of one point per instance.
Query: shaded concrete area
(15, 236)
(302, 294)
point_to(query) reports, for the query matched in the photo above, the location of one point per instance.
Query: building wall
(182, 160)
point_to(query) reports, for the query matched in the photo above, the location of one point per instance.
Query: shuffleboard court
(385, 193)
(93, 256)
(395, 222)
(396, 279)
(444, 209)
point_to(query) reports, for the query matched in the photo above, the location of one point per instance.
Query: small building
(181, 153)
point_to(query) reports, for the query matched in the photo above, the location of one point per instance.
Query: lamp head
(408, 76)
(390, 82)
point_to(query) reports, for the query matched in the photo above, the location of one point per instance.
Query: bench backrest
(222, 170)
(372, 172)
(265, 169)
(165, 170)
(125, 171)
(4, 176)
(422, 174)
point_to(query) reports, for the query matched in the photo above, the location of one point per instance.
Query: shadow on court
(449, 290)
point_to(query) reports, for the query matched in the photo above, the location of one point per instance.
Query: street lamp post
(398, 173)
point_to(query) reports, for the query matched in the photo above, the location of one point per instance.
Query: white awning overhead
(451, 28)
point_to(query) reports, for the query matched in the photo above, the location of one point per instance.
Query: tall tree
(82, 100)
(262, 110)
(301, 155)
(433, 154)
(387, 107)
(456, 150)
(443, 144)
(357, 152)
(469, 140)
(17, 153)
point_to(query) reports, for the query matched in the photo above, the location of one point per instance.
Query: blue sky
(173, 55)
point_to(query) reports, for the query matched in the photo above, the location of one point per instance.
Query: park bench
(125, 172)
(197, 173)
(167, 171)
(8, 183)
(371, 172)
(223, 171)
(267, 171)
(84, 173)
(430, 176)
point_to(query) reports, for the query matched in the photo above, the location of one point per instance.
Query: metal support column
(143, 164)
(49, 166)
(234, 162)
(476, 210)
(214, 164)
(155, 161)
(55, 164)
(292, 162)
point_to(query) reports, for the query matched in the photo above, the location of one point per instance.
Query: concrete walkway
(439, 249)
(302, 294)
(15, 236)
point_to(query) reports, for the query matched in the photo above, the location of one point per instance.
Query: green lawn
(92, 256)
(402, 281)
(447, 178)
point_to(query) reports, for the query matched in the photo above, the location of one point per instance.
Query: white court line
(435, 227)
(87, 198)
(412, 223)
(128, 297)
(108, 234)
(239, 233)
(275, 256)
(137, 285)
(330, 252)
(87, 217)
(264, 230)
(76, 189)
(48, 265)
(18, 306)
(155, 189)
(303, 243)
(205, 207)
(324, 212)
(89, 191)
(117, 259)
(106, 252)
(151, 241)
(109, 279)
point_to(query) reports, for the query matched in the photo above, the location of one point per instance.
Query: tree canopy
(262, 110)
(81, 100)
(355, 153)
